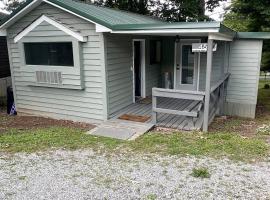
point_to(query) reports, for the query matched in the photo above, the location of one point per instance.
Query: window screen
(54, 53)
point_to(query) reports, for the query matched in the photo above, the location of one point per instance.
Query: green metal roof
(118, 20)
(253, 35)
(104, 16)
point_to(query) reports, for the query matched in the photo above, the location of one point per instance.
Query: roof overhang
(254, 35)
(162, 28)
(54, 23)
(30, 5)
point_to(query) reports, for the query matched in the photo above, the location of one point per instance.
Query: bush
(266, 86)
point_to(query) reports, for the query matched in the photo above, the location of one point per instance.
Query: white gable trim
(58, 25)
(18, 15)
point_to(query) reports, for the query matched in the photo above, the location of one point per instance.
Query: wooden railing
(191, 111)
(217, 97)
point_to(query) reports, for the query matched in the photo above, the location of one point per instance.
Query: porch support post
(208, 85)
(154, 106)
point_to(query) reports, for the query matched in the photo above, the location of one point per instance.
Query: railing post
(221, 106)
(208, 85)
(154, 106)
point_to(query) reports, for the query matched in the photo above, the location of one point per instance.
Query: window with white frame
(49, 53)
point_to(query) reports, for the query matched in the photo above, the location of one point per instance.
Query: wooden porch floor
(144, 108)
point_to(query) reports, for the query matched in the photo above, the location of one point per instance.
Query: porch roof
(254, 35)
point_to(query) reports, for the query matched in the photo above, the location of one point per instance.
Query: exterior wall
(217, 67)
(168, 56)
(119, 54)
(152, 71)
(4, 62)
(118, 70)
(88, 104)
(244, 67)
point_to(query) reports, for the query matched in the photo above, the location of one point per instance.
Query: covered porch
(197, 65)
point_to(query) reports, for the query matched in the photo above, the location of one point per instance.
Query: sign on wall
(202, 47)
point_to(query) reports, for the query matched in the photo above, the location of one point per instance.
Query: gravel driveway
(85, 174)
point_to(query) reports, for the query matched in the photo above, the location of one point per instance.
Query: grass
(215, 144)
(200, 173)
(47, 138)
(197, 144)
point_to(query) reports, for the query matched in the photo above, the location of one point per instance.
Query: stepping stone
(121, 129)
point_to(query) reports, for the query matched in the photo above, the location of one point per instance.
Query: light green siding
(118, 70)
(217, 67)
(79, 105)
(244, 66)
(152, 71)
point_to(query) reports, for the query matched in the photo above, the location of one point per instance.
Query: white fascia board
(3, 32)
(58, 25)
(24, 11)
(102, 29)
(220, 36)
(214, 30)
(99, 27)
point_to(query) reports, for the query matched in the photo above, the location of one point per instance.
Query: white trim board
(143, 83)
(58, 25)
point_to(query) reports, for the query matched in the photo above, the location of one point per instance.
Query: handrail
(220, 82)
(178, 94)
(179, 91)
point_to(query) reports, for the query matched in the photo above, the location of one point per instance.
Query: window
(53, 53)
(155, 52)
(188, 64)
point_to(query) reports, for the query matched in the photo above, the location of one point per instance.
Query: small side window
(52, 53)
(155, 52)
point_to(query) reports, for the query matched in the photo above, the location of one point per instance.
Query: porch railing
(217, 97)
(192, 111)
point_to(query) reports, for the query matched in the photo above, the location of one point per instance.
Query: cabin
(76, 61)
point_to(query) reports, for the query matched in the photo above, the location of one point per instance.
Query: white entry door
(187, 64)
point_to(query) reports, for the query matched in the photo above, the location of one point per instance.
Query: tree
(169, 10)
(11, 5)
(251, 16)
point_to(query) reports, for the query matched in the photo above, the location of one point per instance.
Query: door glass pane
(187, 65)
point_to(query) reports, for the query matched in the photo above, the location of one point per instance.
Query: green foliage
(253, 16)
(266, 86)
(169, 10)
(12, 4)
(200, 173)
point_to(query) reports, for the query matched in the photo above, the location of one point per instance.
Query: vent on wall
(49, 77)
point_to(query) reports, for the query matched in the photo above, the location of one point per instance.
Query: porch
(177, 109)
(197, 79)
(144, 109)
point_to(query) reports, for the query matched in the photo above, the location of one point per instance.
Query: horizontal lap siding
(217, 65)
(244, 66)
(79, 105)
(152, 71)
(4, 62)
(119, 74)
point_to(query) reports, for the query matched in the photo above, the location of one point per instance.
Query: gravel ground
(85, 174)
